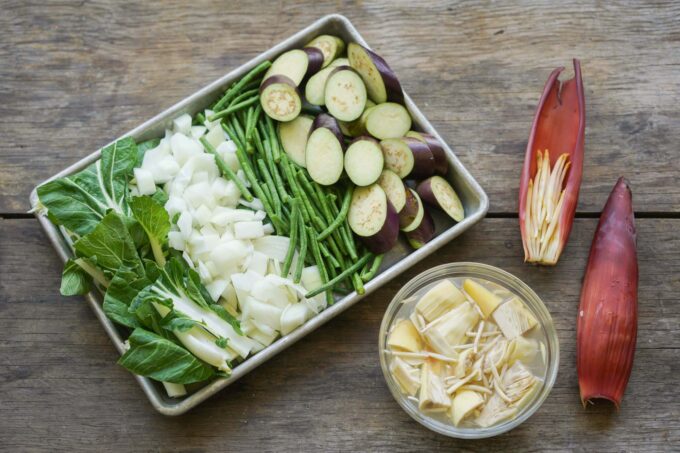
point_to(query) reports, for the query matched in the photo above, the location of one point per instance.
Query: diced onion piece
(275, 247)
(145, 181)
(216, 288)
(202, 215)
(183, 148)
(185, 224)
(248, 230)
(182, 124)
(292, 317)
(198, 131)
(258, 263)
(175, 240)
(216, 136)
(267, 314)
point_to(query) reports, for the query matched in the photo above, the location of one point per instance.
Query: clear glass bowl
(512, 284)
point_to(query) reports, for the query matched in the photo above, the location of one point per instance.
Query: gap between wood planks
(490, 215)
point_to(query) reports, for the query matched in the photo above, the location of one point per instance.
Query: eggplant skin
(423, 234)
(330, 123)
(607, 317)
(315, 61)
(387, 237)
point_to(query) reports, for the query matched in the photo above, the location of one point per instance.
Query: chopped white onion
(182, 124)
(248, 230)
(258, 263)
(198, 131)
(185, 224)
(216, 288)
(275, 247)
(176, 241)
(145, 181)
(292, 317)
(216, 136)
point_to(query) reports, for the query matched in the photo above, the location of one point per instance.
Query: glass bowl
(421, 283)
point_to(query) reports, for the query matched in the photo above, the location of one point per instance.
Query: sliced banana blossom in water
(607, 319)
(433, 396)
(553, 164)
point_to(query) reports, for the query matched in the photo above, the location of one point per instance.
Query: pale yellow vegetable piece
(443, 297)
(405, 337)
(498, 354)
(522, 349)
(518, 382)
(485, 299)
(465, 402)
(448, 331)
(495, 411)
(433, 396)
(514, 318)
(407, 376)
(465, 361)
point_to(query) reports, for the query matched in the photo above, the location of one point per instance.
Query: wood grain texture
(75, 75)
(60, 389)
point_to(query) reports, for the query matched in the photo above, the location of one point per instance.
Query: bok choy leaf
(158, 358)
(80, 201)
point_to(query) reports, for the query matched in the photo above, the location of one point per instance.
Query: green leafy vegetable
(156, 223)
(74, 280)
(124, 287)
(80, 201)
(158, 358)
(110, 242)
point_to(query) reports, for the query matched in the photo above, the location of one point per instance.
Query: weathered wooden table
(74, 75)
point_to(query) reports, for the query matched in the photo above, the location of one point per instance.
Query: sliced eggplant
(394, 188)
(412, 213)
(441, 164)
(327, 121)
(324, 151)
(293, 136)
(295, 64)
(315, 86)
(423, 233)
(373, 218)
(345, 94)
(280, 98)
(423, 159)
(315, 58)
(331, 47)
(358, 126)
(398, 156)
(339, 62)
(364, 161)
(381, 82)
(388, 120)
(437, 192)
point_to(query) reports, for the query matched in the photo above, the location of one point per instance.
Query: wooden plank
(60, 386)
(75, 76)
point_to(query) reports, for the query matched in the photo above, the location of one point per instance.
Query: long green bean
(294, 228)
(374, 268)
(303, 253)
(343, 275)
(242, 97)
(340, 217)
(234, 108)
(316, 253)
(274, 170)
(270, 183)
(236, 88)
(276, 152)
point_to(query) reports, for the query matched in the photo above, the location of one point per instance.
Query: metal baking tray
(398, 260)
